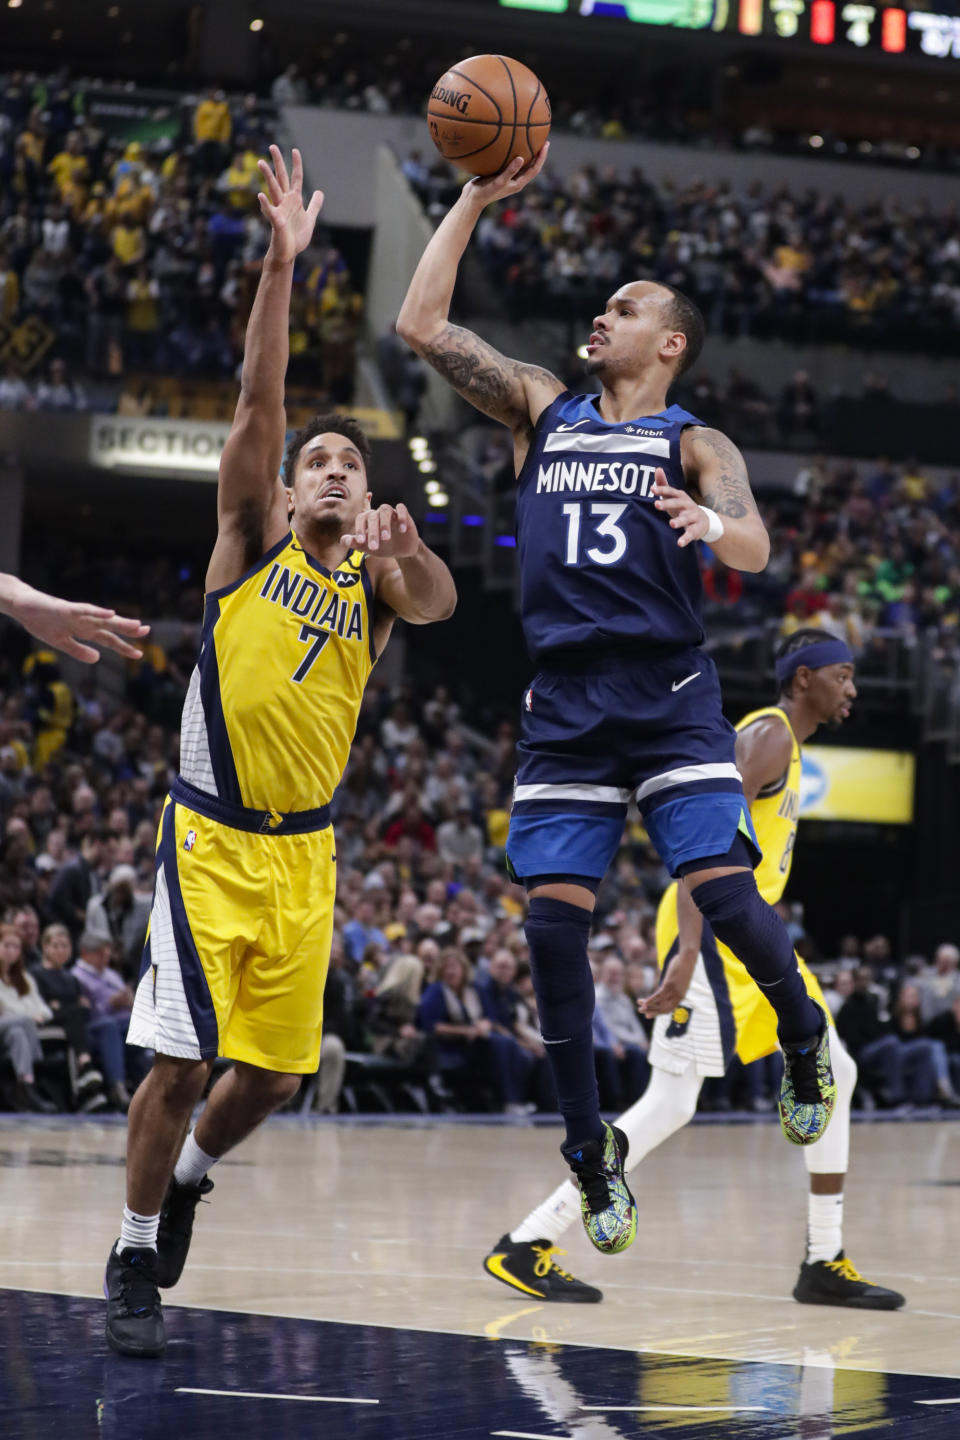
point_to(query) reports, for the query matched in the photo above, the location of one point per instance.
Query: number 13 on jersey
(601, 524)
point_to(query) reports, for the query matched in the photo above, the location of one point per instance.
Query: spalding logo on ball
(487, 111)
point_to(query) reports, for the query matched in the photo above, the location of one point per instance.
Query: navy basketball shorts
(597, 734)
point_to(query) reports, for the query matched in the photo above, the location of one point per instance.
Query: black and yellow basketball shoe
(839, 1282)
(530, 1267)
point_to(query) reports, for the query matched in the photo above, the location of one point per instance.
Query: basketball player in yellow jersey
(303, 587)
(707, 1007)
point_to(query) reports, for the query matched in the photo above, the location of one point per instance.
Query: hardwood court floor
(386, 1225)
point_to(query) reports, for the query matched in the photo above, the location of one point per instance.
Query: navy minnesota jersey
(599, 565)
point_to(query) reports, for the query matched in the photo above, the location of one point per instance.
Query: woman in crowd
(470, 1054)
(21, 1011)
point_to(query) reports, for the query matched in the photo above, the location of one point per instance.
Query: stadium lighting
(427, 466)
(439, 499)
(582, 352)
(256, 25)
(816, 142)
(14, 4)
(433, 487)
(418, 444)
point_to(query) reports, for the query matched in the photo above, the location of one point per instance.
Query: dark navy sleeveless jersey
(599, 565)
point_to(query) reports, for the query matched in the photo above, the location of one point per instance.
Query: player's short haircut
(799, 640)
(333, 424)
(686, 317)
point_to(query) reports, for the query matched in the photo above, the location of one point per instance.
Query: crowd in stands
(676, 101)
(758, 261)
(121, 256)
(429, 981)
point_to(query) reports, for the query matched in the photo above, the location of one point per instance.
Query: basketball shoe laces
(592, 1182)
(546, 1263)
(803, 1074)
(846, 1269)
(138, 1289)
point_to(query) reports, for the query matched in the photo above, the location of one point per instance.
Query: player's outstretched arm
(716, 476)
(511, 392)
(678, 971)
(76, 629)
(251, 504)
(409, 579)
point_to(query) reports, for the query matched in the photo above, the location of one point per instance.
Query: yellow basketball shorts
(723, 1014)
(236, 955)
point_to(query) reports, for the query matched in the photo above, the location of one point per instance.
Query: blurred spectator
(119, 914)
(111, 1000)
(74, 885)
(459, 839)
(939, 984)
(623, 1034)
(22, 1010)
(58, 392)
(70, 1009)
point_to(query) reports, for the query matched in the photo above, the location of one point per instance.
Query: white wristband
(714, 525)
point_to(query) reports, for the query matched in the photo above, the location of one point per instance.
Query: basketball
(487, 110)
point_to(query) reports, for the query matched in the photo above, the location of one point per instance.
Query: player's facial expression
(833, 692)
(632, 330)
(330, 483)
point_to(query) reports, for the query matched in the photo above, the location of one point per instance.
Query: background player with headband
(708, 1009)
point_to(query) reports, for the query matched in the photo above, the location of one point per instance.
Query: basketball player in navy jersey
(613, 492)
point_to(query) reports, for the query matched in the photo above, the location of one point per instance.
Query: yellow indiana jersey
(775, 813)
(273, 702)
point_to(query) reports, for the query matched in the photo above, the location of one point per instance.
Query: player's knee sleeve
(758, 937)
(557, 934)
(668, 1103)
(830, 1155)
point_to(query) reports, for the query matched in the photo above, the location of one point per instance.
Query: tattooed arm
(513, 393)
(716, 476)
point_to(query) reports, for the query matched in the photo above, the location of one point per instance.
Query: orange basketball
(486, 111)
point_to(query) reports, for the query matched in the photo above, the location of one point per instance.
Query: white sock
(193, 1163)
(666, 1105)
(138, 1232)
(824, 1227)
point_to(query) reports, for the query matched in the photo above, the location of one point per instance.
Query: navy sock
(557, 934)
(753, 930)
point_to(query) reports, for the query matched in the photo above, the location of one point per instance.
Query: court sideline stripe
(269, 1395)
(529, 1435)
(691, 1409)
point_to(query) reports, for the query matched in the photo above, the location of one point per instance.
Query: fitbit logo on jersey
(456, 99)
(624, 478)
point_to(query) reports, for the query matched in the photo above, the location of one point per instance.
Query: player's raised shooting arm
(716, 476)
(763, 753)
(511, 392)
(251, 501)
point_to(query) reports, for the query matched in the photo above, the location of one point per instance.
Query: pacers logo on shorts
(190, 839)
(679, 1021)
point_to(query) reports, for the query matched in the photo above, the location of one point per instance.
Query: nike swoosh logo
(679, 684)
(494, 1264)
(572, 427)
